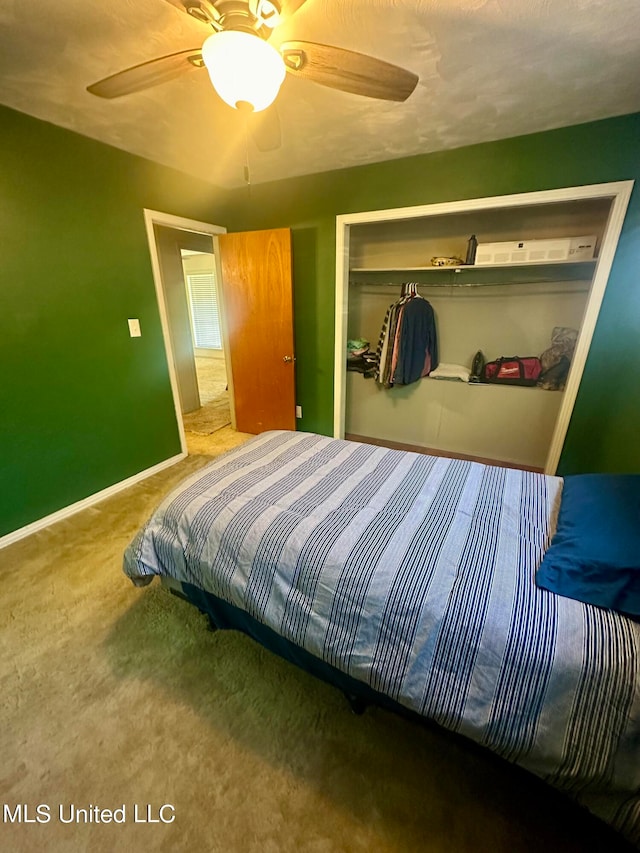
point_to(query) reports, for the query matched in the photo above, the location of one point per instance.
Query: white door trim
(155, 217)
(618, 191)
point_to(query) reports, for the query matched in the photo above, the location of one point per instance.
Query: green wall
(82, 405)
(606, 421)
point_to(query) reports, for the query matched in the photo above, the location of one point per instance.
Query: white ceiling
(489, 69)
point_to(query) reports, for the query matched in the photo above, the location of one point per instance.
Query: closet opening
(536, 294)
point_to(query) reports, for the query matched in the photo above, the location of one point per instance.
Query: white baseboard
(72, 509)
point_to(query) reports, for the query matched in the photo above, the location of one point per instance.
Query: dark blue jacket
(417, 340)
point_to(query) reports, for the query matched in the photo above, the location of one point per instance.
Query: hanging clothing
(387, 333)
(418, 344)
(408, 346)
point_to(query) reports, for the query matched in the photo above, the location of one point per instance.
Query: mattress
(415, 575)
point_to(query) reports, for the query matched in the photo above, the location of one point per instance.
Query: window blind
(203, 305)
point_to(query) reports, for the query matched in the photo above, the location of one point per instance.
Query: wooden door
(169, 242)
(257, 292)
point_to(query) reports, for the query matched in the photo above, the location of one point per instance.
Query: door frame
(180, 223)
(619, 192)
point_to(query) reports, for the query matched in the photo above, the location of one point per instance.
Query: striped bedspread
(415, 574)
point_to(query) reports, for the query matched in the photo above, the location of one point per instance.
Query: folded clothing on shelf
(455, 372)
(357, 347)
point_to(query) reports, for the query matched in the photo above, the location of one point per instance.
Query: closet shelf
(484, 275)
(585, 267)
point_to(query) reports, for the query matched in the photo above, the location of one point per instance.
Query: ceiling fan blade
(147, 74)
(202, 10)
(264, 127)
(290, 7)
(348, 71)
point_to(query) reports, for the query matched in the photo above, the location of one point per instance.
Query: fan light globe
(243, 68)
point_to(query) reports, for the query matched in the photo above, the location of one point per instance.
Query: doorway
(253, 276)
(200, 280)
(185, 271)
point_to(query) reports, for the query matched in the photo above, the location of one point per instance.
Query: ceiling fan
(247, 71)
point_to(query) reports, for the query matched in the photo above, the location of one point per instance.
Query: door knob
(287, 359)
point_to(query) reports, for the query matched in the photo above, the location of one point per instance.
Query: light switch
(134, 328)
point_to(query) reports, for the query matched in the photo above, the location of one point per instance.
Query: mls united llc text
(70, 813)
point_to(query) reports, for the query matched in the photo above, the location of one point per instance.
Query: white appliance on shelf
(537, 251)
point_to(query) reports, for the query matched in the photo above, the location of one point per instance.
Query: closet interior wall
(503, 311)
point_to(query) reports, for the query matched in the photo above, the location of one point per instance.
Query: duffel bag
(513, 370)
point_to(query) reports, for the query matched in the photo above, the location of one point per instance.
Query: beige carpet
(212, 378)
(214, 412)
(112, 695)
(209, 418)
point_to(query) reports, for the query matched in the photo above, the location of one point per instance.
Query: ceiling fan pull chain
(247, 169)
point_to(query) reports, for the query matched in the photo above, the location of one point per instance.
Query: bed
(412, 578)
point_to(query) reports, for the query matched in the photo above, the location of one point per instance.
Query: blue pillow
(594, 554)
